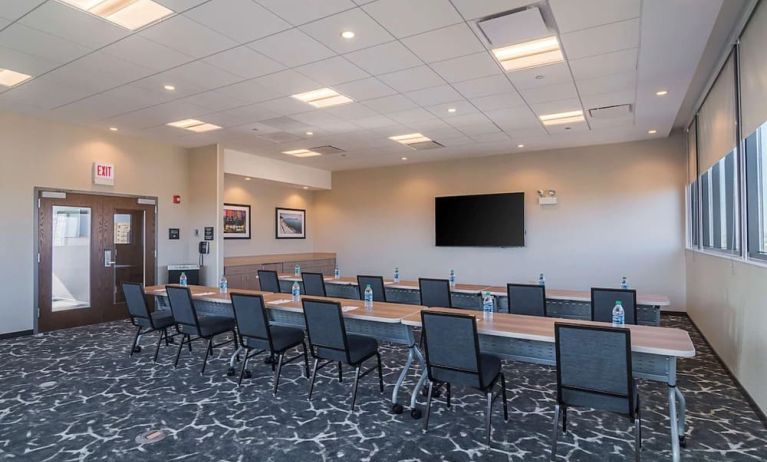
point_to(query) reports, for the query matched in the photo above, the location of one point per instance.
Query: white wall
(34, 153)
(205, 198)
(620, 212)
(242, 163)
(263, 196)
(726, 299)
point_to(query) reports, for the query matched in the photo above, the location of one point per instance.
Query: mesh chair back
(452, 348)
(268, 281)
(181, 305)
(376, 283)
(314, 284)
(594, 367)
(136, 300)
(603, 302)
(527, 299)
(435, 292)
(325, 325)
(250, 316)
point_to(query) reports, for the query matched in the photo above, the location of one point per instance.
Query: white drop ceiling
(235, 63)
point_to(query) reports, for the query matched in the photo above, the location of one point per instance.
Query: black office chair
(376, 283)
(257, 336)
(603, 302)
(527, 299)
(189, 323)
(329, 341)
(314, 284)
(145, 321)
(435, 292)
(594, 370)
(268, 281)
(453, 357)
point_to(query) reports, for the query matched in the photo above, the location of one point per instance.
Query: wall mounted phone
(204, 247)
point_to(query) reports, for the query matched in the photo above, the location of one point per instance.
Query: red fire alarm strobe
(176, 199)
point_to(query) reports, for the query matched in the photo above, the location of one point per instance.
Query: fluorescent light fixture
(194, 125)
(169, 87)
(652, 132)
(9, 78)
(323, 97)
(347, 34)
(661, 92)
(562, 118)
(302, 153)
(410, 138)
(130, 14)
(527, 55)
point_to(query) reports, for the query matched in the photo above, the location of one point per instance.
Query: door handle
(108, 259)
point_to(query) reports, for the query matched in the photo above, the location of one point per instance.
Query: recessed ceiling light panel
(562, 118)
(9, 78)
(410, 138)
(527, 55)
(323, 97)
(194, 125)
(130, 14)
(302, 153)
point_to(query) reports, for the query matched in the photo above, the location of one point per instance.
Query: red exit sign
(103, 173)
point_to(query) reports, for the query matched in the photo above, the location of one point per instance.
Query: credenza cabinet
(242, 272)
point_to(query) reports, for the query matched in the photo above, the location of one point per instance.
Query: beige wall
(40, 153)
(263, 196)
(205, 197)
(726, 299)
(620, 212)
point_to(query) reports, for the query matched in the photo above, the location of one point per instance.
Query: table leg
(681, 413)
(676, 419)
(395, 405)
(673, 422)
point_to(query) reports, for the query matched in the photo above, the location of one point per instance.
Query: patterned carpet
(76, 395)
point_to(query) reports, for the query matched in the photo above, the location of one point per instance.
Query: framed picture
(236, 221)
(290, 223)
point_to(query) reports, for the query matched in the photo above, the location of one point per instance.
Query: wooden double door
(88, 246)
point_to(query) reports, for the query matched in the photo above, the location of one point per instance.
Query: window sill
(735, 258)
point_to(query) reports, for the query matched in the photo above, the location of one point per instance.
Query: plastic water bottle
(183, 280)
(487, 305)
(619, 316)
(368, 296)
(541, 280)
(223, 285)
(296, 291)
(297, 271)
(336, 273)
(452, 278)
(624, 283)
(396, 274)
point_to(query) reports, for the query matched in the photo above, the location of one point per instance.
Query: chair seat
(602, 402)
(209, 326)
(361, 347)
(161, 319)
(491, 367)
(283, 338)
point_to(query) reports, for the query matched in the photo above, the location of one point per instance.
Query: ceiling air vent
(327, 150)
(514, 27)
(611, 112)
(279, 137)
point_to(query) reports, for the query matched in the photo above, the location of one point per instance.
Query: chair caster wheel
(247, 375)
(172, 341)
(397, 408)
(230, 372)
(137, 349)
(269, 360)
(683, 441)
(415, 413)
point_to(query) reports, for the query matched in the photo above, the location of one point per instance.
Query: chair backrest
(268, 281)
(594, 367)
(182, 305)
(435, 292)
(325, 326)
(314, 284)
(452, 348)
(376, 283)
(136, 300)
(603, 302)
(528, 299)
(251, 316)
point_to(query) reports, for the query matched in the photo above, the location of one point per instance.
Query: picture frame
(289, 223)
(236, 221)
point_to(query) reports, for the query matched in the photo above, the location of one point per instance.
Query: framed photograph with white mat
(290, 223)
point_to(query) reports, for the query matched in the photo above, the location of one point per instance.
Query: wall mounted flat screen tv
(484, 220)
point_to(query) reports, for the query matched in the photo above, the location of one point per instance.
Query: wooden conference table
(560, 303)
(530, 339)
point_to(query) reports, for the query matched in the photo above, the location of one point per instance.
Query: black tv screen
(485, 220)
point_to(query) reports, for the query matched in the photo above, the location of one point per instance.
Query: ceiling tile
(24, 63)
(14, 9)
(240, 20)
(608, 99)
(549, 93)
(500, 101)
(484, 86)
(520, 117)
(552, 107)
(100, 71)
(541, 76)
(288, 82)
(390, 104)
(434, 95)
(412, 79)
(601, 39)
(214, 101)
(249, 91)
(144, 52)
(299, 12)
(332, 71)
(448, 42)
(244, 62)
(406, 17)
(583, 14)
(472, 9)
(381, 59)
(378, 121)
(292, 48)
(351, 111)
(47, 92)
(462, 107)
(328, 31)
(411, 115)
(467, 67)
(241, 115)
(188, 37)
(365, 89)
(74, 25)
(607, 84)
(606, 64)
(179, 6)
(199, 74)
(37, 43)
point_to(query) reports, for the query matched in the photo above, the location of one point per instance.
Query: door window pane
(122, 228)
(756, 192)
(71, 255)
